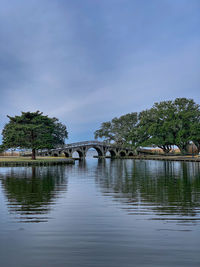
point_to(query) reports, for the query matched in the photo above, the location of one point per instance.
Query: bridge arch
(98, 150)
(122, 153)
(56, 153)
(80, 153)
(112, 153)
(67, 154)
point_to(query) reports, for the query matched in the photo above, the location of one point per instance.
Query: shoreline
(21, 161)
(166, 158)
(158, 157)
(48, 161)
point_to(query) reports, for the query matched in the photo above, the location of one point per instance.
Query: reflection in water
(170, 189)
(160, 190)
(115, 214)
(31, 191)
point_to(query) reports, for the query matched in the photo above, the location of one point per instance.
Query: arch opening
(122, 154)
(66, 154)
(131, 154)
(111, 153)
(94, 152)
(77, 154)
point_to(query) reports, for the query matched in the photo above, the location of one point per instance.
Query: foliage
(33, 130)
(166, 124)
(169, 123)
(33, 192)
(186, 116)
(1, 148)
(118, 129)
(155, 124)
(195, 134)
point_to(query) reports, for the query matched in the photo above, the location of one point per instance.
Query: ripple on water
(101, 213)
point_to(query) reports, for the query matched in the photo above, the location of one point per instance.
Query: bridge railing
(84, 143)
(94, 142)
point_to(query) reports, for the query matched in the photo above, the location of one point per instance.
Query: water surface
(101, 213)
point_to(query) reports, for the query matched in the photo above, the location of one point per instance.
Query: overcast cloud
(87, 61)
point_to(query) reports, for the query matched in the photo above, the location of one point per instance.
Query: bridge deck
(87, 143)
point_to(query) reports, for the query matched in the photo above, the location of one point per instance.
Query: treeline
(164, 125)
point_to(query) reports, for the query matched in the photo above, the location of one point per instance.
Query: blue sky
(87, 61)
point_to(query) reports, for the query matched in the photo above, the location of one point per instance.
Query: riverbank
(40, 161)
(167, 158)
(159, 157)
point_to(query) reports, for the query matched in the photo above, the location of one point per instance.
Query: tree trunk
(198, 147)
(33, 153)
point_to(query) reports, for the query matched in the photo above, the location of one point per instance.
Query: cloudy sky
(87, 61)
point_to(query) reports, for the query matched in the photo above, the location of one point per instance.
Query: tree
(195, 134)
(118, 129)
(154, 126)
(33, 130)
(186, 116)
(170, 123)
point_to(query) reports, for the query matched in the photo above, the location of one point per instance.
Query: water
(101, 213)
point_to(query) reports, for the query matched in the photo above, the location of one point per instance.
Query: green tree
(154, 126)
(169, 123)
(33, 130)
(195, 134)
(186, 116)
(118, 129)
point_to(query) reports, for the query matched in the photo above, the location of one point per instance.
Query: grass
(29, 159)
(20, 161)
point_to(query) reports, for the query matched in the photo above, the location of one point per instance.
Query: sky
(87, 61)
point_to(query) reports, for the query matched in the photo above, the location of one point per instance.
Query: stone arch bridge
(82, 147)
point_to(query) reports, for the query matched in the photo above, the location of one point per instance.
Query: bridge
(82, 147)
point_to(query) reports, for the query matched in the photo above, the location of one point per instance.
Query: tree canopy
(118, 129)
(169, 123)
(34, 131)
(164, 125)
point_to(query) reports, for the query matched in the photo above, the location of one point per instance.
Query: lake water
(101, 213)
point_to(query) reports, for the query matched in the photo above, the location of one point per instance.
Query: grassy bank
(40, 161)
(168, 158)
(160, 157)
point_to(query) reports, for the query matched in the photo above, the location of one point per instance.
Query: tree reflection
(32, 191)
(167, 188)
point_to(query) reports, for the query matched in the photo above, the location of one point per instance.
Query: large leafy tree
(33, 130)
(186, 116)
(170, 123)
(155, 124)
(118, 129)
